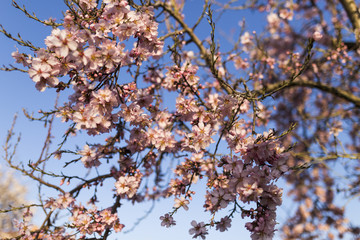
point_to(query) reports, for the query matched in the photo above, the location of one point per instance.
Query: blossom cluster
(92, 49)
(86, 221)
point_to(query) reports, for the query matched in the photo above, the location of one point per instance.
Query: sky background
(17, 91)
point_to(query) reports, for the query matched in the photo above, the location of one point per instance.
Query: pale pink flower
(220, 198)
(92, 58)
(167, 220)
(21, 58)
(240, 63)
(246, 39)
(182, 202)
(163, 119)
(88, 3)
(249, 188)
(62, 41)
(199, 229)
(89, 157)
(317, 35)
(224, 224)
(273, 19)
(336, 128)
(127, 185)
(64, 201)
(286, 14)
(107, 217)
(39, 71)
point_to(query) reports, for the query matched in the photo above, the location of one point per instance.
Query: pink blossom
(220, 197)
(107, 217)
(127, 185)
(198, 230)
(89, 157)
(224, 224)
(64, 201)
(182, 202)
(62, 41)
(167, 220)
(39, 71)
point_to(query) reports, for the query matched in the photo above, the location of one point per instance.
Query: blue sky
(17, 91)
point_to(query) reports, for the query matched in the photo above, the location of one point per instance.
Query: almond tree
(119, 73)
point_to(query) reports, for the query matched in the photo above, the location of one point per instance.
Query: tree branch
(203, 51)
(272, 88)
(353, 13)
